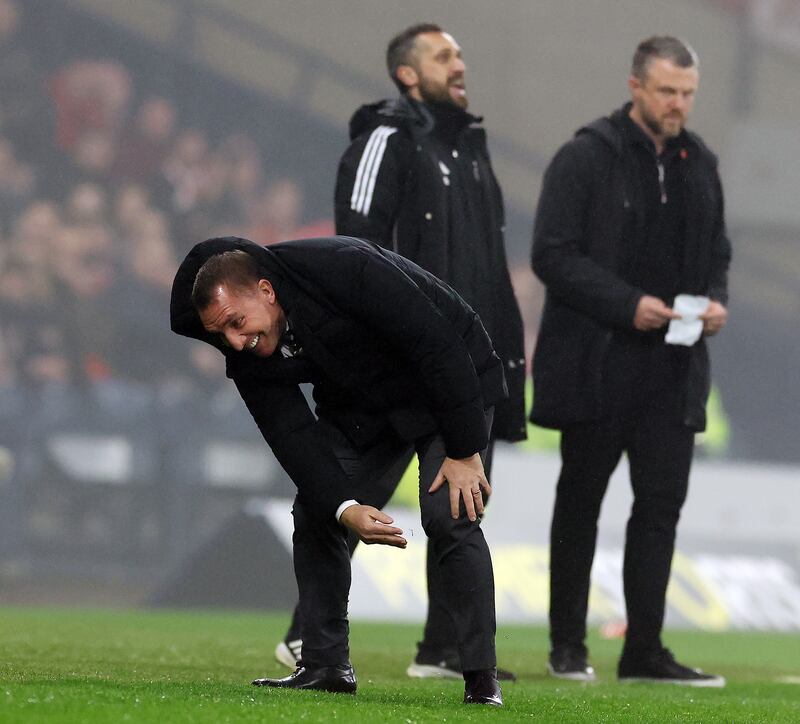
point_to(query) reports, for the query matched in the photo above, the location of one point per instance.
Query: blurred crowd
(103, 188)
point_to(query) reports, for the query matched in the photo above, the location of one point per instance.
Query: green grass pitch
(170, 667)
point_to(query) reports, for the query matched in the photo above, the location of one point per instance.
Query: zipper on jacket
(661, 184)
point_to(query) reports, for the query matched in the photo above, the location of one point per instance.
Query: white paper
(687, 330)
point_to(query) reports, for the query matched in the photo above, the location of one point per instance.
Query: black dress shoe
(338, 679)
(482, 687)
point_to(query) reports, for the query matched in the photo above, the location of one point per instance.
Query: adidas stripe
(368, 167)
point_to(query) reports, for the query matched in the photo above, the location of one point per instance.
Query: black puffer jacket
(385, 344)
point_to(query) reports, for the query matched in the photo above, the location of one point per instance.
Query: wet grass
(169, 667)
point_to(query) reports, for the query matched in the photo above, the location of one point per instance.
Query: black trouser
(439, 634)
(659, 451)
(457, 548)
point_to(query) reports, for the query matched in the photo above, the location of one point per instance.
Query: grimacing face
(437, 73)
(249, 320)
(663, 101)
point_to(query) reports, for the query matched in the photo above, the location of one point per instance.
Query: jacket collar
(614, 131)
(418, 118)
(447, 120)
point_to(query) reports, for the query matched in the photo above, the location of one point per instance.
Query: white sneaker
(288, 653)
(569, 663)
(432, 671)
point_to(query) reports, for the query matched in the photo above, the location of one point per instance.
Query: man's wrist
(344, 506)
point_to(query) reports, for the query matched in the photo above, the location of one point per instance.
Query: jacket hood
(610, 130)
(402, 112)
(183, 316)
(394, 111)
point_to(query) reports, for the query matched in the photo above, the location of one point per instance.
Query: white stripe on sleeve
(368, 168)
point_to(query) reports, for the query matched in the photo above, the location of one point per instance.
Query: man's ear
(265, 286)
(407, 76)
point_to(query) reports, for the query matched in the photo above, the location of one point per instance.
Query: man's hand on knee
(466, 478)
(372, 526)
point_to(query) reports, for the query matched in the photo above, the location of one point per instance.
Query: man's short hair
(667, 47)
(235, 269)
(401, 48)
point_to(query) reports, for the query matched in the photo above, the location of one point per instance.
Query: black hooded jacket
(589, 196)
(384, 343)
(417, 178)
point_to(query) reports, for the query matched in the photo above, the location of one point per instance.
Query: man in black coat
(629, 228)
(397, 361)
(417, 178)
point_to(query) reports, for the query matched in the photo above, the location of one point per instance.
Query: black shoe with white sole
(660, 667)
(569, 663)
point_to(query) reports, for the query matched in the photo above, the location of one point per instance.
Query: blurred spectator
(182, 172)
(34, 230)
(215, 193)
(148, 254)
(132, 200)
(96, 196)
(89, 160)
(86, 274)
(246, 174)
(217, 209)
(177, 188)
(139, 302)
(86, 205)
(89, 95)
(85, 263)
(278, 213)
(17, 183)
(34, 346)
(277, 216)
(143, 145)
(95, 204)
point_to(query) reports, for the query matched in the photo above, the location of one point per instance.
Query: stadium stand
(110, 456)
(129, 131)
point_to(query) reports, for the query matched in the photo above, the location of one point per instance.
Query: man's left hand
(714, 318)
(372, 526)
(466, 479)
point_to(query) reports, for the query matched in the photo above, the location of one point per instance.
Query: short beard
(440, 94)
(657, 127)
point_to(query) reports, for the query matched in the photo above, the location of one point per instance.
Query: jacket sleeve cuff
(630, 312)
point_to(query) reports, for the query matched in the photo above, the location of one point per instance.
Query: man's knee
(658, 512)
(445, 532)
(581, 501)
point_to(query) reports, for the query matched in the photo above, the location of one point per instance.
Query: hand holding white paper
(687, 330)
